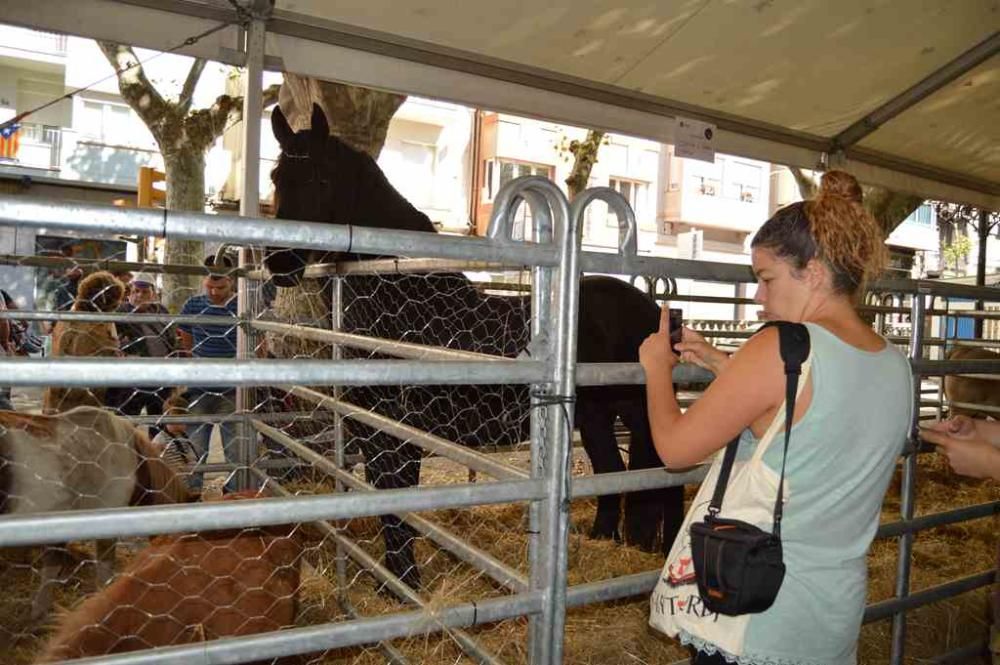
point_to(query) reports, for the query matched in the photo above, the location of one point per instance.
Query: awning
(905, 94)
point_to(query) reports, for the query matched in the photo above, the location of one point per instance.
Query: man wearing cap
(212, 341)
(146, 339)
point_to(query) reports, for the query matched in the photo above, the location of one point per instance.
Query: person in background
(125, 277)
(972, 447)
(69, 284)
(98, 292)
(172, 442)
(144, 339)
(212, 341)
(25, 341)
(6, 349)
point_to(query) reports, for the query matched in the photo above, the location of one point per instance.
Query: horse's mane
(156, 482)
(33, 424)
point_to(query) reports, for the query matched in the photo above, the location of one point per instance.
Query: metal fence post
(249, 207)
(918, 307)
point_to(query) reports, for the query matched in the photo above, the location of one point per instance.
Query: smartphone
(676, 317)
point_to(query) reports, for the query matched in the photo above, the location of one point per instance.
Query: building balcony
(20, 44)
(38, 147)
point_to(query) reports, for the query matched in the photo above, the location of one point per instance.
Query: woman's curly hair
(99, 292)
(833, 227)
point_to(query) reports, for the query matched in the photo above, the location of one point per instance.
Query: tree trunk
(887, 206)
(585, 156)
(359, 116)
(185, 170)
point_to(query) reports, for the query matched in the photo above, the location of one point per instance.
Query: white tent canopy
(904, 94)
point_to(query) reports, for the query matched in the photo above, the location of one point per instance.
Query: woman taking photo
(852, 416)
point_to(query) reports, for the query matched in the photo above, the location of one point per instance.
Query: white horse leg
(42, 602)
(104, 569)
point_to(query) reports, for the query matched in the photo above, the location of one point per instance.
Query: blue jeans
(212, 403)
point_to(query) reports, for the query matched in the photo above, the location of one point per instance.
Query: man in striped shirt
(212, 341)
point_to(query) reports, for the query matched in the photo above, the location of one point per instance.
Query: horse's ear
(279, 125)
(320, 128)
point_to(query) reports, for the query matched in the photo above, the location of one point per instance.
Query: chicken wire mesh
(328, 572)
(337, 564)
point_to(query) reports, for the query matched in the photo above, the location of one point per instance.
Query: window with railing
(742, 181)
(498, 172)
(924, 215)
(40, 145)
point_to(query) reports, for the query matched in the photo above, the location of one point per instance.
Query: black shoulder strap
(794, 347)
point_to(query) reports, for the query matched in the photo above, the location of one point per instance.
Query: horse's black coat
(320, 178)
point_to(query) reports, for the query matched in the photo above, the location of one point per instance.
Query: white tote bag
(675, 604)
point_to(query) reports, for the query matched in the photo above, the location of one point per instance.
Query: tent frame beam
(941, 77)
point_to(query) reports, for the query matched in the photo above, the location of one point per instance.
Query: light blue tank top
(840, 460)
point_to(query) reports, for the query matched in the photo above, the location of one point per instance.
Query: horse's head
(319, 178)
(303, 189)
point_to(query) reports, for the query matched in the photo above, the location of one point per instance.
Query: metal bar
(934, 288)
(116, 317)
(986, 408)
(453, 451)
(907, 489)
(374, 344)
(40, 529)
(93, 218)
(559, 422)
(392, 654)
(266, 646)
(898, 606)
(979, 511)
(963, 655)
(400, 266)
(612, 589)
(289, 416)
(942, 367)
(633, 481)
(235, 372)
(541, 320)
(339, 439)
(253, 108)
(919, 91)
(468, 644)
(111, 265)
(499, 571)
(602, 374)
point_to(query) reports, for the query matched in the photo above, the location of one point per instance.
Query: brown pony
(84, 458)
(189, 588)
(969, 389)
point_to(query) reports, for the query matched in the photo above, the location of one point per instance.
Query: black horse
(319, 178)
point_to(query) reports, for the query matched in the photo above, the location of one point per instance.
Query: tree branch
(187, 92)
(271, 95)
(807, 186)
(135, 88)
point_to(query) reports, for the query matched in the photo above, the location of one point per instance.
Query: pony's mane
(156, 482)
(33, 424)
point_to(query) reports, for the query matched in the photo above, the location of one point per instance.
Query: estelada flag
(10, 141)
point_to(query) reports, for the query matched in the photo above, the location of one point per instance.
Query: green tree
(183, 135)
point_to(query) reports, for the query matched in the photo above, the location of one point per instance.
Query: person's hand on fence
(655, 354)
(695, 349)
(969, 456)
(961, 427)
